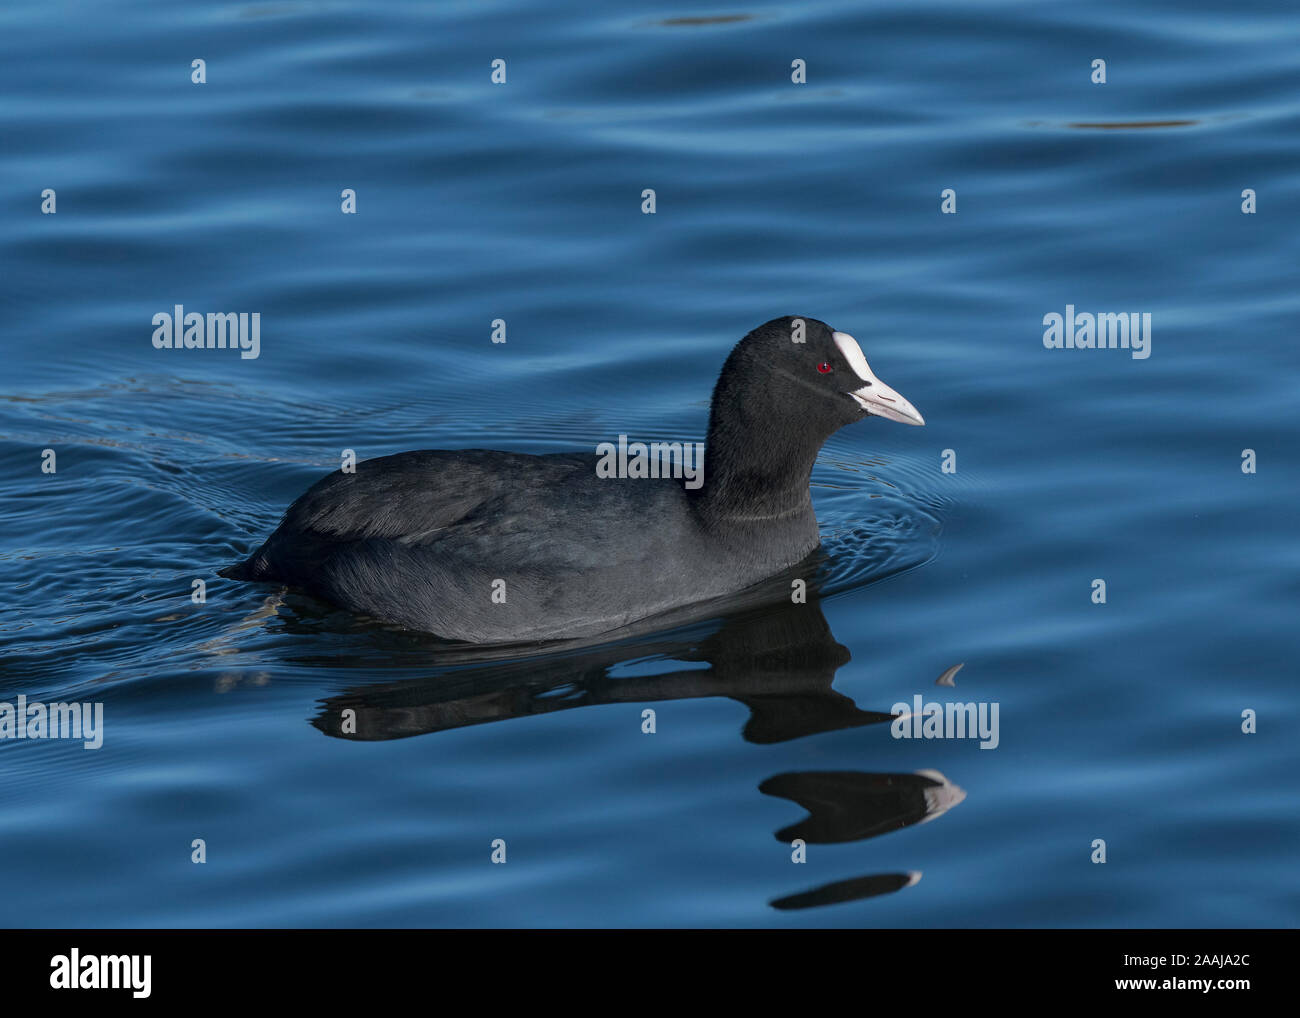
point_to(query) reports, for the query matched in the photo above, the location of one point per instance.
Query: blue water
(1119, 721)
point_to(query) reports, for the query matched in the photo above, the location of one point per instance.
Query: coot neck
(757, 468)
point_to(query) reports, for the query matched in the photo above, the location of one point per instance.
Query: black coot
(498, 547)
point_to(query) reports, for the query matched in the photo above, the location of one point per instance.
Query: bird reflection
(850, 806)
(848, 890)
(776, 657)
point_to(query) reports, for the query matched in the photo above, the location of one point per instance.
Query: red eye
(824, 368)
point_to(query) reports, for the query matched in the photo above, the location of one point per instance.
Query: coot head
(802, 369)
(786, 388)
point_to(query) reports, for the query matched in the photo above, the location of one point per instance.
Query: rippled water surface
(1118, 721)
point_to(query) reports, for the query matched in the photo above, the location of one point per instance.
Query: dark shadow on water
(851, 805)
(846, 806)
(847, 890)
(688, 21)
(777, 657)
(1130, 125)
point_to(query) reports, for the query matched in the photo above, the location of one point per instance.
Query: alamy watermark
(1104, 331)
(75, 971)
(179, 330)
(920, 720)
(656, 459)
(84, 721)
